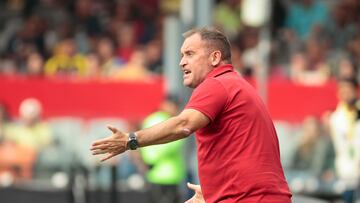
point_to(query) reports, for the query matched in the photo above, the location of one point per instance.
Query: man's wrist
(132, 141)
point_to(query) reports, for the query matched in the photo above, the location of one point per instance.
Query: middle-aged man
(238, 150)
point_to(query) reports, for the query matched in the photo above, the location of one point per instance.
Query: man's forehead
(192, 42)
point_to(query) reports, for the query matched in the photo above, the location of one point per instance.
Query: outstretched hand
(198, 196)
(112, 145)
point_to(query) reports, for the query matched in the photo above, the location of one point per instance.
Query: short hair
(215, 39)
(350, 80)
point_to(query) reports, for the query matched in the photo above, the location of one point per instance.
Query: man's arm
(175, 128)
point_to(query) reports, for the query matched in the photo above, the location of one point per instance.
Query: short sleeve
(209, 98)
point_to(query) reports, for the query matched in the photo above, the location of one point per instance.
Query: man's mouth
(186, 72)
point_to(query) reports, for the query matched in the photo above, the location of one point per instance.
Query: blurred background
(70, 67)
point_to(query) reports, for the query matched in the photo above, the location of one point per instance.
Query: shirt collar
(220, 70)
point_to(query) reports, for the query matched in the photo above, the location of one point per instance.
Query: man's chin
(189, 85)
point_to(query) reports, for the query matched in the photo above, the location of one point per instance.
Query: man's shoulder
(211, 82)
(225, 78)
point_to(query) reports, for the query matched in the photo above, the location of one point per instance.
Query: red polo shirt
(238, 152)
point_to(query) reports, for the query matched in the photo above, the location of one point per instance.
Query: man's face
(195, 61)
(347, 93)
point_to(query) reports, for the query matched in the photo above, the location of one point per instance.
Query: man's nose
(182, 62)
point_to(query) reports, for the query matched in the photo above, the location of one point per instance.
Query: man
(345, 134)
(166, 162)
(238, 151)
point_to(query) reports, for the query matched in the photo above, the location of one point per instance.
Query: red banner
(89, 99)
(85, 99)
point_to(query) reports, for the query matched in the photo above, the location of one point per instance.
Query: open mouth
(187, 72)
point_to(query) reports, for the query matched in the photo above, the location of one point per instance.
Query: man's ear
(215, 58)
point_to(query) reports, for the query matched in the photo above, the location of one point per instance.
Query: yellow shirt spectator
(36, 137)
(66, 60)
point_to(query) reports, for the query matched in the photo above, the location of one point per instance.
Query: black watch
(132, 143)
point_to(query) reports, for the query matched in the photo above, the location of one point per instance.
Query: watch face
(133, 144)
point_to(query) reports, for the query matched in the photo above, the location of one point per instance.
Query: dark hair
(350, 80)
(215, 39)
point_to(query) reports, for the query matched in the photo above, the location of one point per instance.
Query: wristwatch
(132, 142)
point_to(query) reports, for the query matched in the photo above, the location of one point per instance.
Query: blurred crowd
(312, 42)
(92, 39)
(322, 155)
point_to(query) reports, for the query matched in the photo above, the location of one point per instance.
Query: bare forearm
(170, 130)
(175, 128)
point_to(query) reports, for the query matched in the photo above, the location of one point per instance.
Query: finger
(113, 130)
(106, 147)
(108, 157)
(102, 146)
(111, 145)
(101, 141)
(196, 188)
(104, 151)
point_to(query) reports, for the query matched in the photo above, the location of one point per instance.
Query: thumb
(196, 188)
(113, 130)
(189, 201)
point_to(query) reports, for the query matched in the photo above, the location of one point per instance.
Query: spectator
(354, 49)
(86, 19)
(16, 161)
(30, 38)
(340, 29)
(94, 68)
(53, 11)
(10, 21)
(87, 24)
(305, 17)
(227, 16)
(153, 54)
(249, 39)
(345, 68)
(109, 62)
(126, 40)
(353, 8)
(310, 67)
(147, 25)
(135, 70)
(123, 12)
(10, 9)
(8, 67)
(166, 162)
(66, 60)
(34, 65)
(30, 131)
(64, 30)
(313, 154)
(345, 133)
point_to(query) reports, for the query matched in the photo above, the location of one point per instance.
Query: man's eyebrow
(189, 52)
